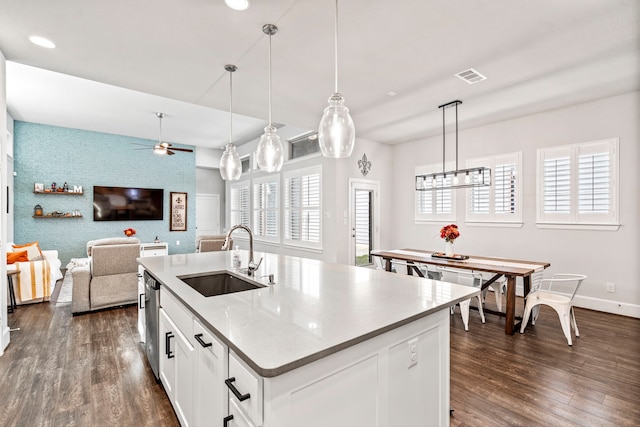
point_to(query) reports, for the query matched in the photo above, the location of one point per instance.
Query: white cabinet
(372, 383)
(210, 371)
(176, 367)
(400, 377)
(146, 250)
(142, 327)
(236, 417)
(167, 357)
(193, 365)
(154, 249)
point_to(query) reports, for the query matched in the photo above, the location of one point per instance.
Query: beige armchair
(110, 279)
(211, 243)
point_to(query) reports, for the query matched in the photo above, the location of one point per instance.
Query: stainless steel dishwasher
(152, 318)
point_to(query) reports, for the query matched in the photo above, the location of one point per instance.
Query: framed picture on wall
(38, 187)
(178, 211)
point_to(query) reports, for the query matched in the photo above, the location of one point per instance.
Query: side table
(12, 293)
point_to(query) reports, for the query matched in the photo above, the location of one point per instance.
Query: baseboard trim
(598, 304)
(607, 306)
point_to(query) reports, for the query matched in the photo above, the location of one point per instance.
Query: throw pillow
(13, 257)
(33, 250)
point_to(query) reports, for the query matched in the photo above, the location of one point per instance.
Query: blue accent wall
(46, 154)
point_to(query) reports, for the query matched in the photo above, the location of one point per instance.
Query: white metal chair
(561, 302)
(498, 288)
(466, 278)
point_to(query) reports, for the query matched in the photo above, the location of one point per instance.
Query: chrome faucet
(252, 265)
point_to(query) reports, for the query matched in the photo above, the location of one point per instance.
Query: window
(302, 223)
(303, 145)
(577, 184)
(501, 202)
(265, 208)
(434, 205)
(246, 164)
(239, 204)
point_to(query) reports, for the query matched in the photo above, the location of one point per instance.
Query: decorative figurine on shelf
(53, 186)
(129, 232)
(156, 240)
(37, 211)
(65, 188)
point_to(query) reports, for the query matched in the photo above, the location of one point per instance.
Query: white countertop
(314, 309)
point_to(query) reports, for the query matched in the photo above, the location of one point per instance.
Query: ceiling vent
(470, 76)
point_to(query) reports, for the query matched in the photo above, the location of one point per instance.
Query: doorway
(207, 214)
(364, 220)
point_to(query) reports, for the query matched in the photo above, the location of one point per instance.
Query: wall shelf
(57, 216)
(59, 193)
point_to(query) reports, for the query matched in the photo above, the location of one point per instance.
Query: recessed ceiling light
(42, 42)
(238, 4)
(392, 93)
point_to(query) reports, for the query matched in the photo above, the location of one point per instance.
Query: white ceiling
(131, 59)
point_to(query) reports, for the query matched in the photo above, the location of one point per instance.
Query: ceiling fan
(164, 147)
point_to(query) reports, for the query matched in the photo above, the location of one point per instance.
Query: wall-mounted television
(127, 203)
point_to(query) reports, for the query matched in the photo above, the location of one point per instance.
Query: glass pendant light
(336, 133)
(270, 154)
(230, 164)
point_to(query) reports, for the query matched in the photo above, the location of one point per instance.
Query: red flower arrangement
(129, 232)
(449, 233)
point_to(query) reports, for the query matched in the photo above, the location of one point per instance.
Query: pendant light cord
(335, 47)
(443, 140)
(230, 107)
(160, 116)
(269, 79)
(456, 136)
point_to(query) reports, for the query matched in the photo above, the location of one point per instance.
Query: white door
(207, 214)
(364, 216)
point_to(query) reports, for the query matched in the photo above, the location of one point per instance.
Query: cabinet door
(141, 319)
(183, 394)
(167, 354)
(210, 397)
(236, 416)
(176, 370)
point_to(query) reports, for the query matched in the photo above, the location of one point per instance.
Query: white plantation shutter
(505, 188)
(481, 200)
(239, 204)
(265, 208)
(593, 183)
(434, 205)
(577, 184)
(501, 201)
(302, 207)
(557, 185)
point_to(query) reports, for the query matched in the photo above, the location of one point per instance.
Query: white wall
(381, 171)
(4, 327)
(605, 256)
(208, 158)
(335, 197)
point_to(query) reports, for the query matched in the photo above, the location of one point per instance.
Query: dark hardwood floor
(90, 370)
(536, 379)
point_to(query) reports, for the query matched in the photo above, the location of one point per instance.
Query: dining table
(509, 268)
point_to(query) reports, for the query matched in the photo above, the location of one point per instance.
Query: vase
(448, 249)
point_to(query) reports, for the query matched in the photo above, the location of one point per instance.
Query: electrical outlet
(413, 352)
(177, 242)
(611, 287)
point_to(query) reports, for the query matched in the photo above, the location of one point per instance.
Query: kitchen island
(327, 344)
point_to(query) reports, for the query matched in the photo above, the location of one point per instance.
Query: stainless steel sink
(212, 284)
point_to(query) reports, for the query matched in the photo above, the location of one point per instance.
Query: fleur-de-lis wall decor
(364, 164)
